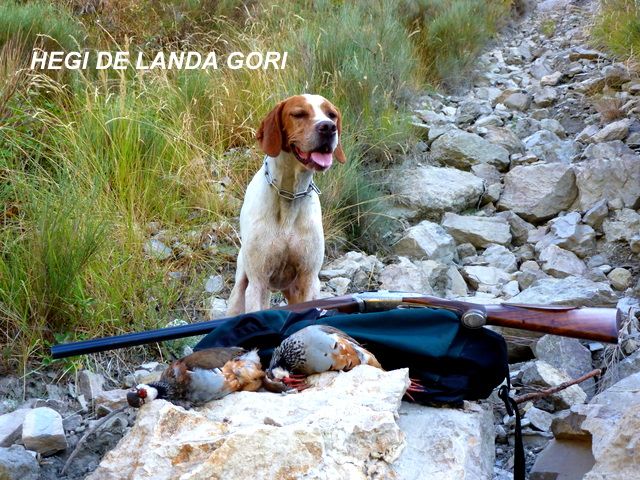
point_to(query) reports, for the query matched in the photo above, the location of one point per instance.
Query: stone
(466, 250)
(575, 291)
(110, 400)
(519, 228)
(517, 101)
(539, 419)
(456, 285)
(343, 428)
(486, 172)
(581, 53)
(545, 97)
(356, 266)
(479, 276)
(561, 263)
(90, 384)
(620, 278)
(614, 131)
(510, 289)
(596, 214)
(156, 249)
(477, 230)
(616, 75)
(612, 419)
(500, 257)
(408, 276)
(543, 375)
(563, 460)
(428, 241)
(623, 226)
(566, 354)
(16, 463)
(634, 243)
(340, 285)
(42, 431)
(468, 454)
(11, 426)
(469, 110)
(215, 308)
(608, 151)
(552, 79)
(548, 147)
(599, 179)
(430, 191)
(538, 192)
(553, 126)
(567, 232)
(214, 284)
(504, 137)
(462, 150)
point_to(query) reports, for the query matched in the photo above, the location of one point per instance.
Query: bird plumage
(315, 349)
(203, 376)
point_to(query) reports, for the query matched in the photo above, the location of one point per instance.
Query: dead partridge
(203, 376)
(314, 349)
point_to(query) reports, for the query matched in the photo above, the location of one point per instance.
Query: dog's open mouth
(319, 159)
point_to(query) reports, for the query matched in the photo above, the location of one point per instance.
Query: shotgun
(598, 324)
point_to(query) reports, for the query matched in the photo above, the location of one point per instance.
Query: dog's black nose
(326, 127)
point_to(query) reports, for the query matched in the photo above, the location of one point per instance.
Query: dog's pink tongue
(322, 159)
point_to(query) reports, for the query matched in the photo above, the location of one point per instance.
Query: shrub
(617, 29)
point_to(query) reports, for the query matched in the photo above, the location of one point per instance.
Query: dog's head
(308, 126)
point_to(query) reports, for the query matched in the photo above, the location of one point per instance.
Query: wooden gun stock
(599, 324)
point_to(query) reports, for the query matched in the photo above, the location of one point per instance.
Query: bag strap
(512, 409)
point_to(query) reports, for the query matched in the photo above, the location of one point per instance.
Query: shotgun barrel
(599, 324)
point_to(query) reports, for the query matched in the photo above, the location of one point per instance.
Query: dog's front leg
(257, 296)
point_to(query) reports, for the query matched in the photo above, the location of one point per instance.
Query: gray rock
(462, 150)
(587, 133)
(581, 53)
(486, 172)
(567, 232)
(215, 308)
(620, 278)
(110, 400)
(505, 138)
(469, 110)
(574, 291)
(479, 231)
(155, 248)
(214, 284)
(545, 96)
(90, 384)
(409, 276)
(596, 214)
(466, 250)
(456, 285)
(616, 75)
(427, 241)
(566, 354)
(538, 192)
(432, 190)
(614, 131)
(357, 266)
(612, 421)
(607, 151)
(544, 375)
(481, 277)
(547, 146)
(561, 263)
(340, 285)
(539, 419)
(623, 226)
(16, 463)
(529, 273)
(500, 257)
(11, 426)
(42, 431)
(519, 228)
(553, 126)
(599, 179)
(552, 79)
(517, 101)
(422, 456)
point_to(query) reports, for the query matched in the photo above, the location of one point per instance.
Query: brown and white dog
(281, 221)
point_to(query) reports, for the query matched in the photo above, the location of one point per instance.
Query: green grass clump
(617, 29)
(95, 164)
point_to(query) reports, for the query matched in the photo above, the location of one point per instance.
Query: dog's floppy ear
(339, 152)
(270, 135)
